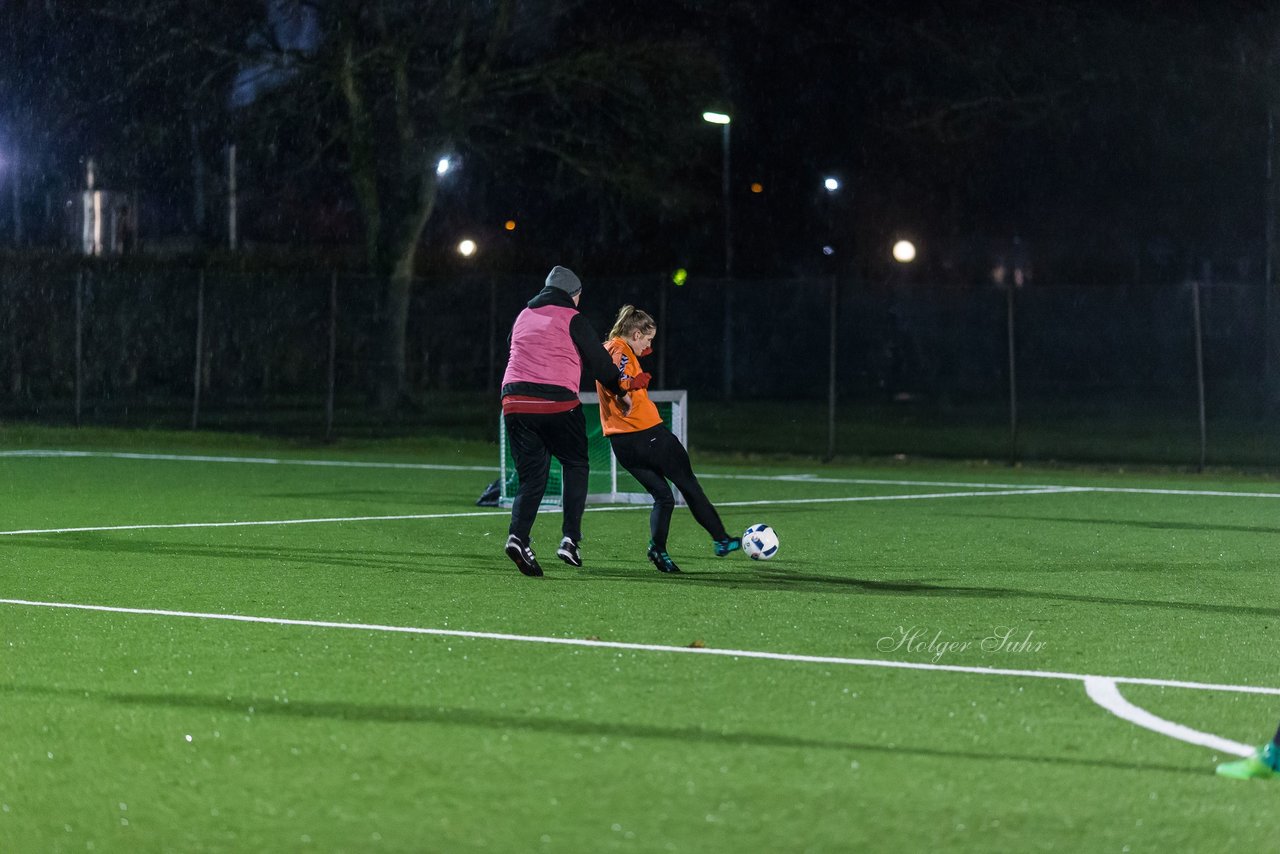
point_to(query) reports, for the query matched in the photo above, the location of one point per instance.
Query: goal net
(608, 483)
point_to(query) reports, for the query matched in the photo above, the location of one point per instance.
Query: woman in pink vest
(550, 345)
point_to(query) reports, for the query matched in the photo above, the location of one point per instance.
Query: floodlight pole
(832, 332)
(15, 185)
(725, 121)
(1013, 373)
(831, 185)
(1199, 334)
(79, 344)
(195, 390)
(728, 266)
(232, 199)
(728, 205)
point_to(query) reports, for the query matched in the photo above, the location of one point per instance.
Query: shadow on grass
(1132, 523)
(480, 719)
(492, 563)
(770, 579)
(344, 558)
(400, 500)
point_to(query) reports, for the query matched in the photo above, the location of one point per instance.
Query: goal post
(608, 483)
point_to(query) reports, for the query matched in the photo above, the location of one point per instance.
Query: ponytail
(631, 319)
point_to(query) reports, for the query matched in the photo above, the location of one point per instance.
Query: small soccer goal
(608, 482)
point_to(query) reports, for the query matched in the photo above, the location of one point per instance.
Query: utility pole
(15, 182)
(231, 197)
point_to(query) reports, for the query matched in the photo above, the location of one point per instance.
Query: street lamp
(467, 248)
(724, 121)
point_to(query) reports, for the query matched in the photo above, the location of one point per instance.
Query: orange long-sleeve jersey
(643, 413)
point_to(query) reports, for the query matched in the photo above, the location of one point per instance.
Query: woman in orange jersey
(647, 449)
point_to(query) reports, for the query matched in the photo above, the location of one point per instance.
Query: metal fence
(197, 348)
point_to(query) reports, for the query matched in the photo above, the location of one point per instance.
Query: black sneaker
(568, 552)
(523, 557)
(662, 561)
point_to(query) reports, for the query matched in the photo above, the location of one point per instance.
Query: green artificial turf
(163, 732)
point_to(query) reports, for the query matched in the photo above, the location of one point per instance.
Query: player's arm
(630, 375)
(594, 357)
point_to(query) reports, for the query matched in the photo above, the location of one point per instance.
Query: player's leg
(566, 437)
(532, 465)
(630, 449)
(676, 466)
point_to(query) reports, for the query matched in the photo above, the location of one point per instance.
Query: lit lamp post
(724, 121)
(1009, 280)
(831, 185)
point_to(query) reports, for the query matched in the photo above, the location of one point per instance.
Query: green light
(680, 276)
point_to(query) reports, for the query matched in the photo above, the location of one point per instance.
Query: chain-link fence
(809, 365)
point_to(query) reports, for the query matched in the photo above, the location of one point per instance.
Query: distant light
(904, 251)
(509, 225)
(467, 248)
(680, 276)
(828, 250)
(831, 184)
(443, 166)
(757, 187)
(716, 118)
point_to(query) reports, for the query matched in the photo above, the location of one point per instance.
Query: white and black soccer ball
(760, 542)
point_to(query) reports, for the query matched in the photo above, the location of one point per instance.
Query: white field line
(801, 478)
(1104, 691)
(647, 647)
(255, 523)
(506, 513)
(805, 478)
(267, 461)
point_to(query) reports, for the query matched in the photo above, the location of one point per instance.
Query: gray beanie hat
(564, 279)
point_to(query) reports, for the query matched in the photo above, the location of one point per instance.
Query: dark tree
(386, 88)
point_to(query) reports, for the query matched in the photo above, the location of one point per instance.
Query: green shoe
(728, 544)
(1262, 765)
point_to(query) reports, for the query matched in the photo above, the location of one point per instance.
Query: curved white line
(1105, 693)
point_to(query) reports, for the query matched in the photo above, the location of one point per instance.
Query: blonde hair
(630, 320)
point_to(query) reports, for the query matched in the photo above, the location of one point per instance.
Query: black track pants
(535, 439)
(653, 457)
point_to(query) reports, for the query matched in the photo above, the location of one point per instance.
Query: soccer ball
(760, 542)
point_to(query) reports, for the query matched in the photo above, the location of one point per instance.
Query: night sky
(1106, 141)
